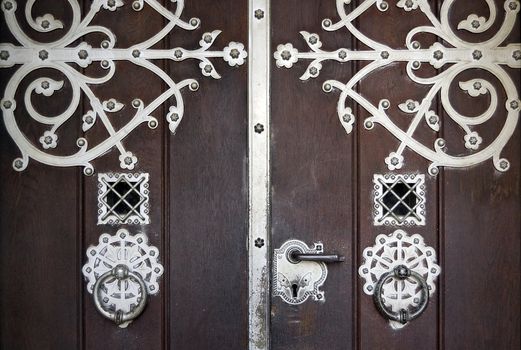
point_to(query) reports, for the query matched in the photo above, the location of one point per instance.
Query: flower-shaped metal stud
(49, 140)
(127, 160)
(394, 161)
(235, 54)
(473, 140)
(286, 56)
(259, 243)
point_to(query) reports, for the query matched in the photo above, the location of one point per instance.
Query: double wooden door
(364, 132)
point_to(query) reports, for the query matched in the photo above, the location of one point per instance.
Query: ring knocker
(403, 316)
(120, 272)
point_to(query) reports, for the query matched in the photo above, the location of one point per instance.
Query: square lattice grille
(123, 199)
(399, 199)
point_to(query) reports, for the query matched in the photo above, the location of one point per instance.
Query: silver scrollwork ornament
(62, 54)
(490, 55)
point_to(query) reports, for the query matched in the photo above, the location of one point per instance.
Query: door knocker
(399, 272)
(122, 270)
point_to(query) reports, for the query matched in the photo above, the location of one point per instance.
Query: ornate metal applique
(456, 57)
(137, 262)
(123, 199)
(296, 281)
(392, 253)
(399, 199)
(61, 56)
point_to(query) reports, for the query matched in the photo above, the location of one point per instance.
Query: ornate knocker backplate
(121, 271)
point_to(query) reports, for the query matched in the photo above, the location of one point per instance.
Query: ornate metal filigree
(390, 252)
(123, 199)
(491, 55)
(399, 199)
(132, 252)
(62, 56)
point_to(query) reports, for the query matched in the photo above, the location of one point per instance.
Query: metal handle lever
(325, 258)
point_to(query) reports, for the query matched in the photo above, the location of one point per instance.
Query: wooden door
(197, 181)
(322, 176)
(245, 152)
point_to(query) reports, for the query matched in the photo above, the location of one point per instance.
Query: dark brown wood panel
(208, 186)
(40, 273)
(482, 225)
(392, 82)
(312, 180)
(129, 82)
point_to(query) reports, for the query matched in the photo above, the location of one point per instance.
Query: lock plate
(295, 281)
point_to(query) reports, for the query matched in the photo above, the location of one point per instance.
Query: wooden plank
(312, 198)
(129, 82)
(481, 218)
(39, 222)
(208, 208)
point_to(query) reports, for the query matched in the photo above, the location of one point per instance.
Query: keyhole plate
(296, 281)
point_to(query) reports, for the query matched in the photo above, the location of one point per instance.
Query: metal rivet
(327, 22)
(512, 6)
(4, 55)
(208, 68)
(346, 118)
(342, 54)
(194, 86)
(207, 38)
(438, 54)
(504, 164)
(194, 22)
(45, 24)
(516, 55)
(83, 54)
(475, 24)
(259, 14)
(235, 53)
(477, 54)
(259, 128)
(313, 40)
(259, 242)
(43, 55)
(415, 45)
(313, 71)
(286, 55)
(384, 55)
(8, 104)
(105, 44)
(514, 104)
(477, 85)
(136, 53)
(111, 105)
(45, 84)
(8, 5)
(441, 143)
(178, 53)
(136, 103)
(416, 64)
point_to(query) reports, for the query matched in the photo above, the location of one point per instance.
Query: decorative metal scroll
(30, 55)
(491, 55)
